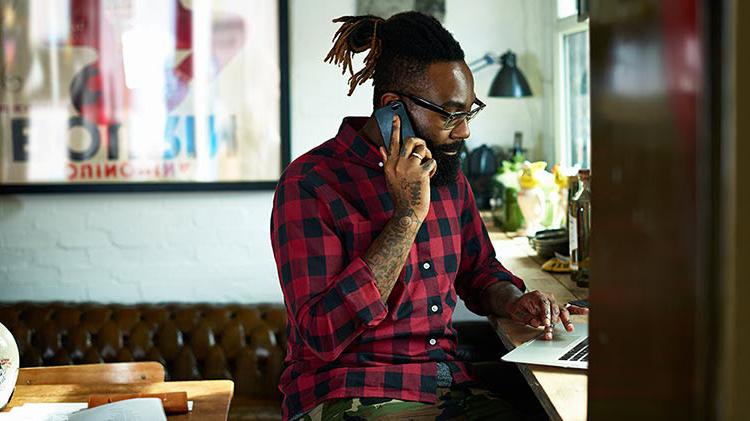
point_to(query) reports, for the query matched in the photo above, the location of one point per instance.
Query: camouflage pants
(457, 403)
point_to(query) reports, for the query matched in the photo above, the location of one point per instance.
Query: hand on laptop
(540, 309)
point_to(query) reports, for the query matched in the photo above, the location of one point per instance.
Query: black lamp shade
(509, 81)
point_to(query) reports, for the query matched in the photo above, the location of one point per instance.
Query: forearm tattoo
(387, 254)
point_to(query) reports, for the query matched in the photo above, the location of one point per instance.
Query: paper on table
(49, 411)
(42, 411)
(127, 410)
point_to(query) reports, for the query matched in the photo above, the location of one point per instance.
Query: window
(566, 8)
(572, 87)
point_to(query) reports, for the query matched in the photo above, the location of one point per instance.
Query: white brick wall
(138, 247)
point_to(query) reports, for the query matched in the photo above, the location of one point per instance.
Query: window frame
(563, 27)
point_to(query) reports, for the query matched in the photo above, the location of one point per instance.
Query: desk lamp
(509, 81)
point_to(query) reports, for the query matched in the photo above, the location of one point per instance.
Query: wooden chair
(113, 373)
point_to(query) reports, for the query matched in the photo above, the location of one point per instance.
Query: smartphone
(580, 303)
(384, 116)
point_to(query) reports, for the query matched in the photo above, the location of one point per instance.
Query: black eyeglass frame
(452, 118)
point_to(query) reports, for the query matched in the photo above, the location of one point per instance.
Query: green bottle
(579, 226)
(513, 216)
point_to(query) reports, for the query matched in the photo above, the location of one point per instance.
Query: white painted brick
(85, 276)
(198, 274)
(232, 273)
(65, 203)
(11, 258)
(33, 276)
(14, 291)
(160, 292)
(189, 237)
(167, 256)
(83, 238)
(138, 248)
(44, 291)
(15, 214)
(175, 218)
(260, 210)
(221, 293)
(115, 219)
(57, 221)
(127, 275)
(27, 238)
(114, 257)
(250, 292)
(146, 275)
(114, 292)
(138, 236)
(222, 254)
(242, 236)
(220, 217)
(265, 281)
(61, 258)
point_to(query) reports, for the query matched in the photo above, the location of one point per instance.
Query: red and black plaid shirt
(330, 204)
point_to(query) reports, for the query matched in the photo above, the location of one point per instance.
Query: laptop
(570, 350)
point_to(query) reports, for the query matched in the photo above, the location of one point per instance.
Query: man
(373, 246)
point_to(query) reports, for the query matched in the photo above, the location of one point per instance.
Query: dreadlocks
(401, 48)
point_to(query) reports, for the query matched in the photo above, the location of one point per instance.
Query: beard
(447, 165)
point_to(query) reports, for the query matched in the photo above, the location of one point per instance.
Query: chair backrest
(113, 373)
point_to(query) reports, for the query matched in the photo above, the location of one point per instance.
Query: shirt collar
(355, 146)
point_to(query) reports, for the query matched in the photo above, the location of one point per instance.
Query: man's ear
(387, 98)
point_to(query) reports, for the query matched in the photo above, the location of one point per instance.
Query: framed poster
(388, 8)
(134, 95)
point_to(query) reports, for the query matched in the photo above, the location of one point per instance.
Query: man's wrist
(500, 297)
(405, 215)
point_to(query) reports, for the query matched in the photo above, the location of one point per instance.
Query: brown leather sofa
(241, 342)
(244, 343)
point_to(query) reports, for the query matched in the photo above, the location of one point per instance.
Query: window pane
(566, 8)
(576, 53)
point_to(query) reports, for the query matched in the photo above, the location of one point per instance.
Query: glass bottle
(570, 192)
(580, 230)
(570, 220)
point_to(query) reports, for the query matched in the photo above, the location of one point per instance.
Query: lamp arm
(480, 63)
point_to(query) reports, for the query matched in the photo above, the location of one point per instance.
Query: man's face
(450, 85)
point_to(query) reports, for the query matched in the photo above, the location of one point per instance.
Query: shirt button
(434, 308)
(426, 265)
(380, 164)
(433, 341)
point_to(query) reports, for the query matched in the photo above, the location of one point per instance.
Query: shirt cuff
(488, 280)
(361, 295)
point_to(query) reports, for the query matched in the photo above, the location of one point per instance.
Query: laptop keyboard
(579, 352)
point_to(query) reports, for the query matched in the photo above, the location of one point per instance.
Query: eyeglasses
(452, 119)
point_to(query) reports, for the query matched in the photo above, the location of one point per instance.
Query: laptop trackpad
(560, 340)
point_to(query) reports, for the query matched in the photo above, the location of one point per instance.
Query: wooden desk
(561, 391)
(210, 397)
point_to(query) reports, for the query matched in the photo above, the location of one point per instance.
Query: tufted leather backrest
(241, 342)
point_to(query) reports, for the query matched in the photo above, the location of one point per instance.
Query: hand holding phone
(408, 166)
(384, 116)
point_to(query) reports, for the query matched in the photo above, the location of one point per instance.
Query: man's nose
(461, 131)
